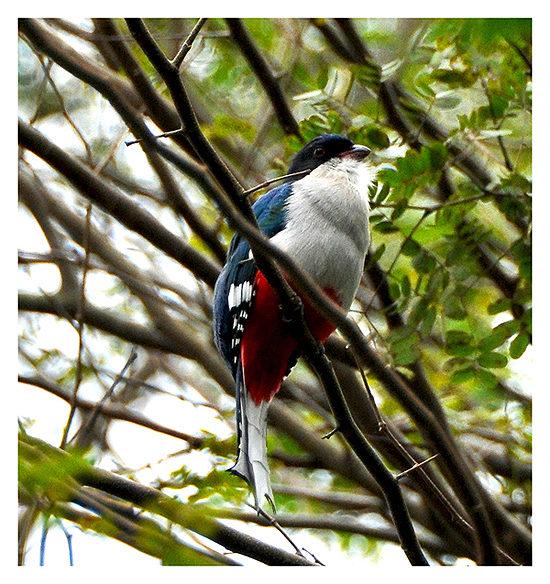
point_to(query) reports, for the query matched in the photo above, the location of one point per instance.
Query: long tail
(252, 463)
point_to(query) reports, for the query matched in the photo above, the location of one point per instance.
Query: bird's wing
(234, 289)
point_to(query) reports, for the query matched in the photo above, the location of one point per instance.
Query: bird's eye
(318, 152)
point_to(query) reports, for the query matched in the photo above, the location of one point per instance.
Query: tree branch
(262, 70)
(170, 75)
(66, 486)
(113, 202)
(112, 411)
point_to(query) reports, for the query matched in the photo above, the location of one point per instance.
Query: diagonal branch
(171, 76)
(263, 71)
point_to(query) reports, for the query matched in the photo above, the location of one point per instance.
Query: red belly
(267, 344)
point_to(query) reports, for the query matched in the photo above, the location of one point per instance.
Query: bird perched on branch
(321, 221)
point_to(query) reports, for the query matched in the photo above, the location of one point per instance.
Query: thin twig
(188, 43)
(116, 204)
(415, 466)
(112, 411)
(315, 559)
(399, 253)
(272, 521)
(66, 115)
(156, 137)
(502, 146)
(170, 75)
(80, 330)
(434, 208)
(384, 429)
(368, 456)
(274, 180)
(85, 430)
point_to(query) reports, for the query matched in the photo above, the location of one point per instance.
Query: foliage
(124, 242)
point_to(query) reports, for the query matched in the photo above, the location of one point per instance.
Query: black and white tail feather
(252, 464)
(235, 293)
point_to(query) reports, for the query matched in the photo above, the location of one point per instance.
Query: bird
(320, 218)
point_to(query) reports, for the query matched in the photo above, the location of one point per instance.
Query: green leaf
(376, 138)
(463, 375)
(453, 305)
(527, 320)
(448, 101)
(405, 349)
(424, 263)
(428, 321)
(405, 285)
(437, 282)
(389, 176)
(499, 335)
(518, 345)
(395, 291)
(422, 84)
(399, 208)
(485, 380)
(500, 305)
(492, 360)
(517, 183)
(438, 155)
(410, 247)
(418, 312)
(458, 337)
(500, 101)
(454, 78)
(382, 195)
(377, 254)
(459, 343)
(385, 227)
(459, 350)
(412, 164)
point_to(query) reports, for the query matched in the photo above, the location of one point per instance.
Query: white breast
(327, 229)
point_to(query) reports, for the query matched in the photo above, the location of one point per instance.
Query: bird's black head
(323, 148)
